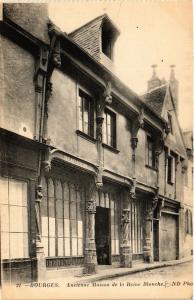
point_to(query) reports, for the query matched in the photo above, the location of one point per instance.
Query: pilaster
(90, 249)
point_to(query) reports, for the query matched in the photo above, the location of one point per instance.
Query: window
(62, 219)
(107, 44)
(86, 114)
(170, 123)
(109, 132)
(151, 155)
(14, 219)
(188, 222)
(170, 169)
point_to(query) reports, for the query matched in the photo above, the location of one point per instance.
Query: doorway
(102, 235)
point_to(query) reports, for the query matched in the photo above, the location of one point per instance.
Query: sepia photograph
(96, 150)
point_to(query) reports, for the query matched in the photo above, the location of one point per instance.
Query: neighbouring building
(188, 195)
(90, 173)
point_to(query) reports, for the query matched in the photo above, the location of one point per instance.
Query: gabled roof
(155, 98)
(93, 21)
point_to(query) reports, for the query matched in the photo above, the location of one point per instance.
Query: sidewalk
(111, 272)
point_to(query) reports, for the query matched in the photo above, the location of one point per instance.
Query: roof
(99, 18)
(155, 98)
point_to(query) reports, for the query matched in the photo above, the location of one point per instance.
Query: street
(178, 272)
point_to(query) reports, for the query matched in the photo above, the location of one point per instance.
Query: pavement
(109, 272)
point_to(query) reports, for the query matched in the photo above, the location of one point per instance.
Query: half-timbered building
(91, 173)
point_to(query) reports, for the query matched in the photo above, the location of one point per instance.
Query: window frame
(90, 133)
(113, 129)
(170, 178)
(28, 232)
(150, 141)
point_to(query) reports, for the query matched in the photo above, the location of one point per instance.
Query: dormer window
(108, 38)
(107, 44)
(170, 123)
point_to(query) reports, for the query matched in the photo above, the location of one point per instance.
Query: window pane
(107, 200)
(67, 228)
(113, 246)
(18, 219)
(67, 247)
(73, 210)
(3, 190)
(45, 226)
(59, 209)
(116, 246)
(60, 246)
(79, 211)
(73, 228)
(80, 113)
(52, 227)
(104, 130)
(66, 210)
(17, 192)
(18, 245)
(86, 115)
(45, 244)
(60, 227)
(80, 246)
(4, 218)
(51, 246)
(80, 228)
(4, 245)
(51, 207)
(74, 246)
(116, 231)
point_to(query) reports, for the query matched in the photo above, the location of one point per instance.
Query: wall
(17, 103)
(63, 119)
(35, 23)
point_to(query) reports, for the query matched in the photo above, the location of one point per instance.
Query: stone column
(147, 247)
(90, 250)
(125, 249)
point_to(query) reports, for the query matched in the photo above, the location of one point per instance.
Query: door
(168, 240)
(102, 235)
(156, 239)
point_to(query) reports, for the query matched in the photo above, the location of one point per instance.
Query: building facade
(91, 173)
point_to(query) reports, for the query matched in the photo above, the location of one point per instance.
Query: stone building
(188, 195)
(91, 173)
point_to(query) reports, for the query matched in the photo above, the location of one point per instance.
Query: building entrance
(102, 235)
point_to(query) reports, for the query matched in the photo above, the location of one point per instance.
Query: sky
(151, 32)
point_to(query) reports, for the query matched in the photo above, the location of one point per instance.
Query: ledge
(152, 168)
(110, 148)
(86, 136)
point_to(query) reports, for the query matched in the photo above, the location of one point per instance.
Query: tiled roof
(155, 98)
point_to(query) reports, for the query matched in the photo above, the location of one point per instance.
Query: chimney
(174, 86)
(154, 81)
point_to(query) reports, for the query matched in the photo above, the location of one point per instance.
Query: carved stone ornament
(107, 93)
(91, 206)
(125, 226)
(39, 194)
(132, 192)
(137, 123)
(99, 121)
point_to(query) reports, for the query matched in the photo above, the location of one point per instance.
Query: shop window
(151, 154)
(86, 113)
(62, 220)
(170, 169)
(14, 219)
(109, 128)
